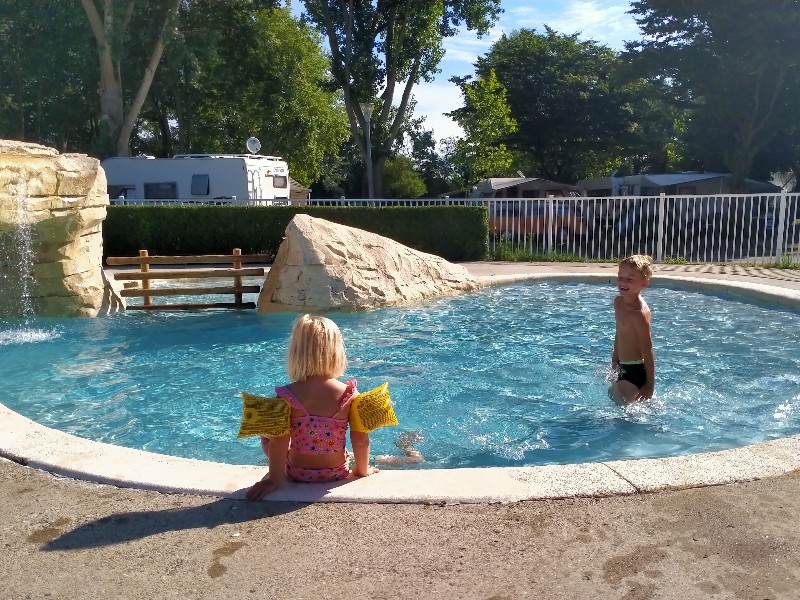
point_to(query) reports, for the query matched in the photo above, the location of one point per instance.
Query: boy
(633, 343)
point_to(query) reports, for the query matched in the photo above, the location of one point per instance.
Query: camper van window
(279, 181)
(126, 191)
(200, 184)
(161, 191)
(530, 193)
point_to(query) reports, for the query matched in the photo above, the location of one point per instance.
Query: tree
(655, 138)
(401, 179)
(435, 168)
(486, 121)
(111, 24)
(572, 116)
(239, 72)
(386, 45)
(740, 66)
(45, 75)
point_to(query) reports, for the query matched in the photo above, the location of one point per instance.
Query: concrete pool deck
(33, 445)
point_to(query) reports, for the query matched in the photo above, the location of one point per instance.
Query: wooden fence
(145, 275)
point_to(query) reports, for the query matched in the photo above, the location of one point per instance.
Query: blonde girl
(314, 449)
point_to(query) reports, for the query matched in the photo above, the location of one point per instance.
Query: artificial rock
(52, 207)
(321, 265)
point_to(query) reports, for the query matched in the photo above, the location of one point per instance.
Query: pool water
(507, 376)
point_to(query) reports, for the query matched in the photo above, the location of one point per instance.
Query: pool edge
(39, 447)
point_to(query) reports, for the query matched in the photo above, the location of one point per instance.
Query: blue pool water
(506, 376)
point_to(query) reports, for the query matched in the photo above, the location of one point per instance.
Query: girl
(314, 448)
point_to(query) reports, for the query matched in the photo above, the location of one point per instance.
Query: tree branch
(123, 142)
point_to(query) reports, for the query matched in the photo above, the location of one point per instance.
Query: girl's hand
(370, 471)
(261, 489)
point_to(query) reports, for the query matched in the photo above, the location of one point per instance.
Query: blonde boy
(633, 352)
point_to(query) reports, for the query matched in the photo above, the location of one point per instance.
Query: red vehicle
(537, 217)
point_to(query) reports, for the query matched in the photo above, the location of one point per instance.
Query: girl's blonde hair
(316, 348)
(641, 262)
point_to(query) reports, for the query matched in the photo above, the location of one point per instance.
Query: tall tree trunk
(109, 88)
(115, 126)
(167, 143)
(739, 162)
(377, 175)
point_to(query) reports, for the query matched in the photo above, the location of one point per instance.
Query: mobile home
(197, 179)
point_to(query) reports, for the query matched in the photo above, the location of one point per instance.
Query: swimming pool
(506, 376)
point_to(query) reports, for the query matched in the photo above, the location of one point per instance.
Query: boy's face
(630, 282)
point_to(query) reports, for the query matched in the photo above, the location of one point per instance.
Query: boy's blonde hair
(316, 348)
(641, 262)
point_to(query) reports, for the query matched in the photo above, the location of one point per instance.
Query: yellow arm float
(372, 409)
(267, 417)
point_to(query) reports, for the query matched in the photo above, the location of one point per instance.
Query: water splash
(26, 335)
(608, 373)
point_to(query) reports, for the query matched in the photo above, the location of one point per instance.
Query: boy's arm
(649, 358)
(360, 442)
(615, 351)
(278, 450)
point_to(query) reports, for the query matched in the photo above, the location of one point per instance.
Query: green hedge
(456, 233)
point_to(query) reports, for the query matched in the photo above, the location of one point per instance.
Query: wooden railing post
(237, 280)
(144, 267)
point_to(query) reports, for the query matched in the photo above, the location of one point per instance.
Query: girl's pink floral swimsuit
(311, 434)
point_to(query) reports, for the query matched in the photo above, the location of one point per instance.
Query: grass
(505, 252)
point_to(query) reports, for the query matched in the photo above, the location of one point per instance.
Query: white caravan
(197, 179)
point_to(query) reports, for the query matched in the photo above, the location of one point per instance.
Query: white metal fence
(752, 228)
(758, 228)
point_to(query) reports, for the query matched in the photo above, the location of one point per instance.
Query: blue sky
(604, 21)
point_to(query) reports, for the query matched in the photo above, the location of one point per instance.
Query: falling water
(23, 242)
(17, 277)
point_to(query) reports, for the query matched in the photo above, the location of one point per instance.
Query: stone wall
(62, 200)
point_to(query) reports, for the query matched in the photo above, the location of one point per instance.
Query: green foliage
(130, 38)
(436, 169)
(655, 138)
(456, 233)
(486, 121)
(401, 180)
(48, 75)
(386, 46)
(229, 70)
(675, 260)
(580, 109)
(789, 263)
(250, 72)
(505, 252)
(740, 66)
(571, 116)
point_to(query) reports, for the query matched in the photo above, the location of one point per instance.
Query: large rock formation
(51, 210)
(322, 265)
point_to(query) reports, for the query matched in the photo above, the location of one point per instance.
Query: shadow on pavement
(129, 526)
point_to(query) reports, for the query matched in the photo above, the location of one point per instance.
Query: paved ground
(69, 539)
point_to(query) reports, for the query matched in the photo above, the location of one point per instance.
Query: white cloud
(433, 100)
(605, 22)
(463, 49)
